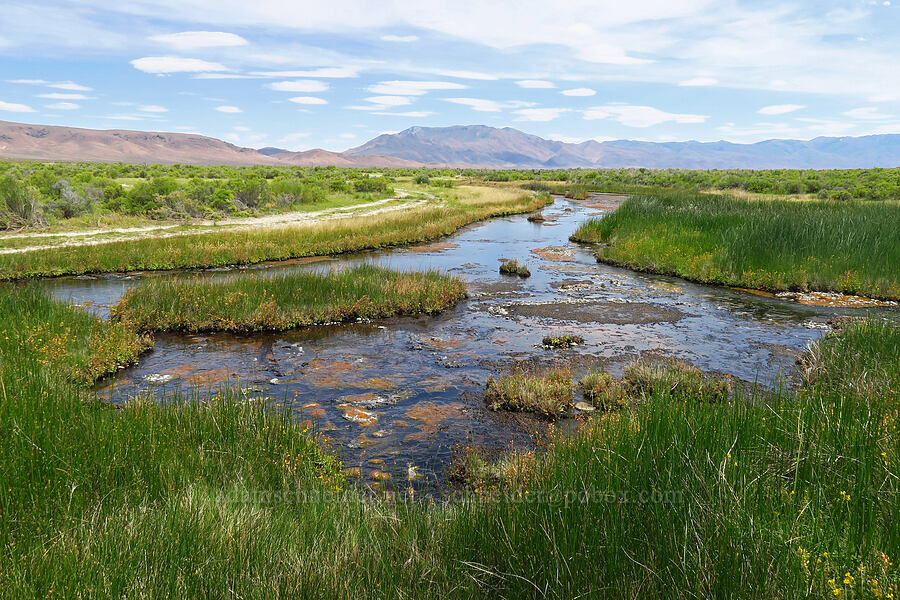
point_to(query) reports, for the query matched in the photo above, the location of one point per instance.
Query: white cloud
(323, 72)
(868, 113)
(28, 81)
(639, 116)
(123, 118)
(64, 106)
(884, 98)
(413, 114)
(539, 114)
(152, 108)
(400, 38)
(484, 105)
(456, 73)
(190, 40)
(535, 84)
(175, 64)
(413, 88)
(579, 92)
(699, 82)
(479, 104)
(228, 109)
(58, 96)
(389, 100)
(348, 136)
(308, 100)
(780, 109)
(69, 85)
(299, 85)
(12, 107)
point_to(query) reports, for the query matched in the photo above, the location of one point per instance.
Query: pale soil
(89, 237)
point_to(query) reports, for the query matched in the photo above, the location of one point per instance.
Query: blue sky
(335, 74)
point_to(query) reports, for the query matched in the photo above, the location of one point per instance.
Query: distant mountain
(271, 150)
(47, 142)
(509, 148)
(471, 145)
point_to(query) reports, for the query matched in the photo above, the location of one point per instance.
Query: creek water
(399, 397)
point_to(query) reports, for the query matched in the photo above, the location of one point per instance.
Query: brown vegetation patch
(555, 253)
(435, 247)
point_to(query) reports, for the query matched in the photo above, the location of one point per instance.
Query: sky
(300, 75)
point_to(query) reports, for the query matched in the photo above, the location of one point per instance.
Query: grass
(514, 267)
(462, 206)
(564, 340)
(775, 245)
(602, 391)
(250, 304)
(787, 495)
(548, 394)
(675, 378)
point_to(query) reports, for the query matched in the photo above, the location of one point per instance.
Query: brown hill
(49, 142)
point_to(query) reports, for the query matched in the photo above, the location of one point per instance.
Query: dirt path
(402, 201)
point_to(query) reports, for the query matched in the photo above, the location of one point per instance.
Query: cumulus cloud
(535, 84)
(780, 109)
(174, 64)
(639, 116)
(583, 91)
(300, 85)
(13, 107)
(190, 40)
(308, 100)
(228, 109)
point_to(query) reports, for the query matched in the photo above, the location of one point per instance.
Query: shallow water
(407, 392)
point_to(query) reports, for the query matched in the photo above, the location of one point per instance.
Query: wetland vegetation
(250, 304)
(774, 245)
(682, 483)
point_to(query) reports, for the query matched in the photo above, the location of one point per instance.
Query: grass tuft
(548, 394)
(514, 267)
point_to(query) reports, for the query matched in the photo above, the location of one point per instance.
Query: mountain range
(458, 146)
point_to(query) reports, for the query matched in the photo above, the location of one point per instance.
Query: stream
(398, 398)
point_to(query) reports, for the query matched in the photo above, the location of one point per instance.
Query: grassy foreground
(775, 245)
(463, 205)
(286, 301)
(779, 495)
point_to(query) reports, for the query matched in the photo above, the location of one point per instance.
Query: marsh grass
(648, 377)
(547, 393)
(777, 245)
(770, 495)
(514, 267)
(249, 304)
(603, 391)
(462, 206)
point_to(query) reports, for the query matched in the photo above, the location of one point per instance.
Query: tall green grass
(285, 302)
(786, 495)
(776, 245)
(252, 246)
